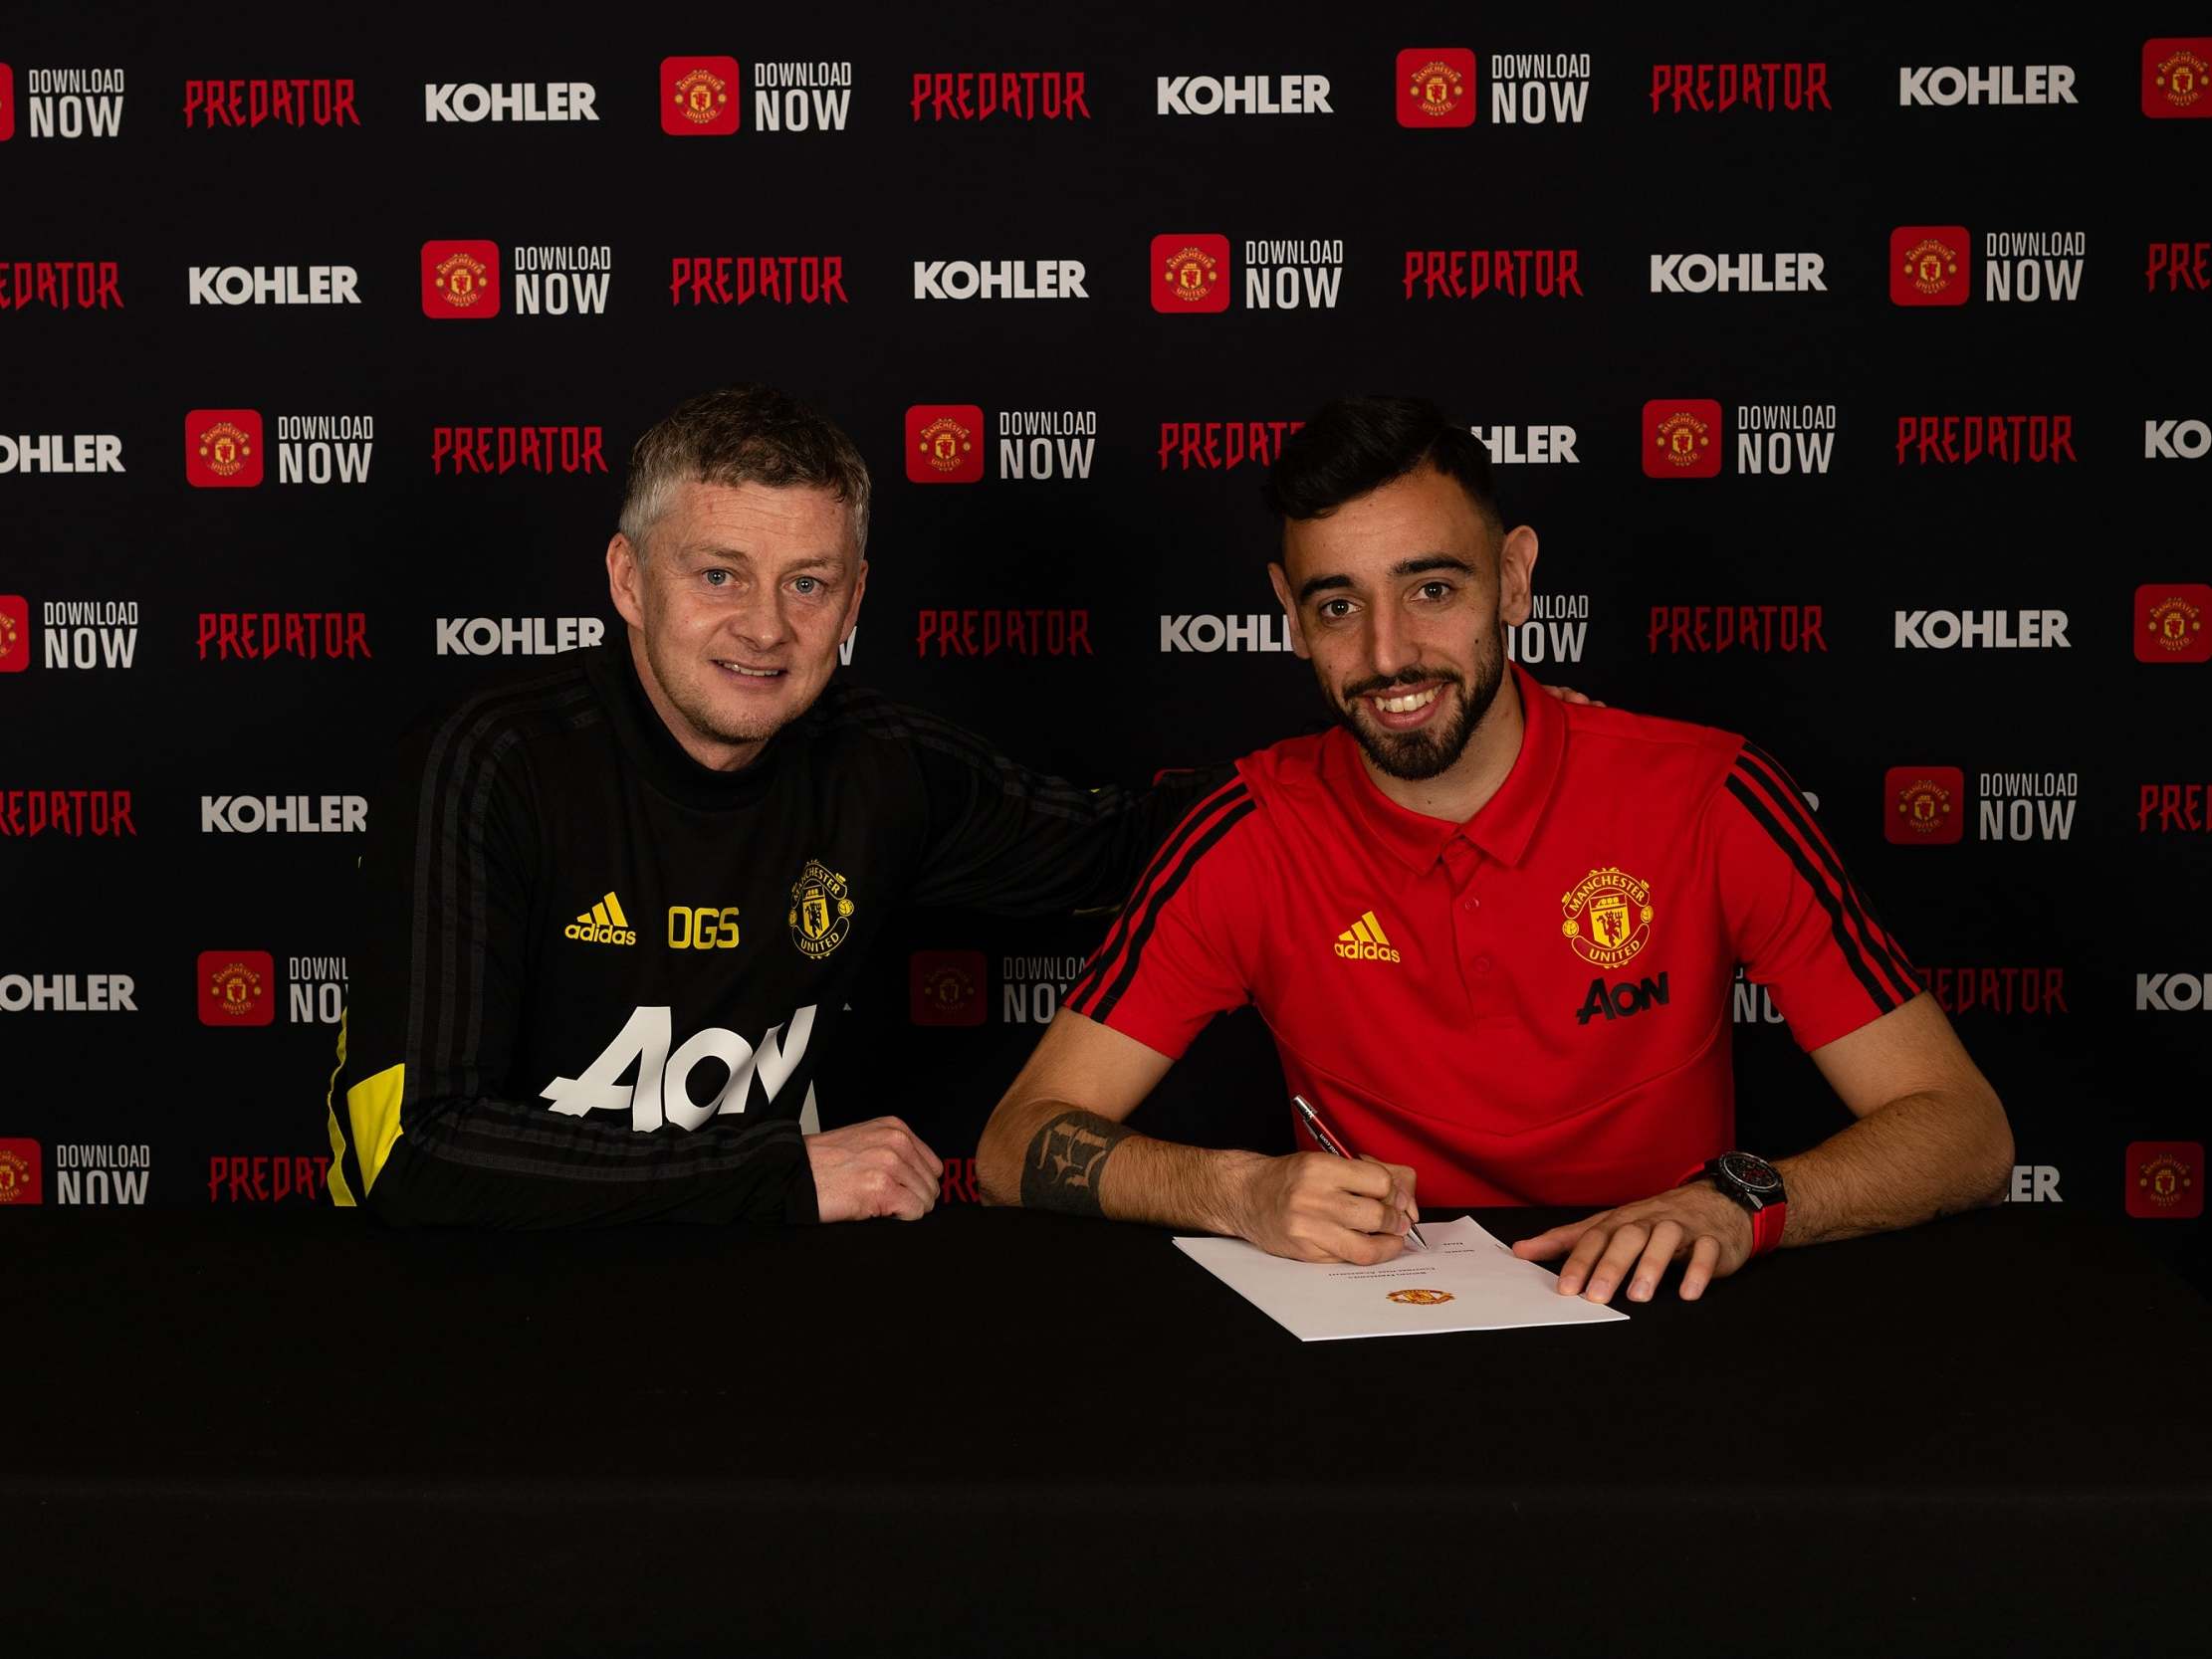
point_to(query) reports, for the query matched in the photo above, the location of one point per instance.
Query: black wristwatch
(1755, 1184)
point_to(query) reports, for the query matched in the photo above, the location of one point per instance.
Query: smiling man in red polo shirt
(1494, 936)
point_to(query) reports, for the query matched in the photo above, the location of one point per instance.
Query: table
(990, 1431)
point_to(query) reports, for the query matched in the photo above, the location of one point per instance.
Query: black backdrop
(2088, 1075)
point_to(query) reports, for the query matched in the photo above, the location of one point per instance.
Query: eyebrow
(707, 553)
(1404, 567)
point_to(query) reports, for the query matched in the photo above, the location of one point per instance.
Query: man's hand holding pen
(1313, 1207)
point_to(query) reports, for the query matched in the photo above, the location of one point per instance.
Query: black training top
(594, 978)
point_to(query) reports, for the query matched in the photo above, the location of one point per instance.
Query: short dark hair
(743, 434)
(1353, 445)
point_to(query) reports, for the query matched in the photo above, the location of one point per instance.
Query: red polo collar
(1508, 821)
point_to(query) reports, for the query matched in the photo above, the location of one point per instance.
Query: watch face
(1754, 1172)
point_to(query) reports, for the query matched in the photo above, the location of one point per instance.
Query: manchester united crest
(2164, 1181)
(1608, 916)
(1191, 275)
(1683, 439)
(2181, 77)
(821, 910)
(460, 278)
(1436, 89)
(1930, 264)
(226, 449)
(237, 990)
(19, 1176)
(700, 97)
(2175, 624)
(1924, 805)
(1420, 1298)
(943, 443)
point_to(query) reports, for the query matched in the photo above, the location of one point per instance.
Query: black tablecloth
(996, 1432)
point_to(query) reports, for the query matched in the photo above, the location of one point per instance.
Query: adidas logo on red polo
(1365, 941)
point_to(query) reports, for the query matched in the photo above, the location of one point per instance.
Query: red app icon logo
(15, 633)
(1930, 264)
(698, 97)
(945, 443)
(237, 987)
(7, 102)
(1925, 805)
(2170, 620)
(2177, 78)
(946, 987)
(222, 449)
(1190, 274)
(21, 1171)
(2166, 1179)
(1681, 438)
(1436, 86)
(460, 281)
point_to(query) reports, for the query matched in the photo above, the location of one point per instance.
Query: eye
(1434, 590)
(1335, 610)
(807, 586)
(715, 578)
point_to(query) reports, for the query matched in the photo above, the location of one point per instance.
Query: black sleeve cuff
(801, 1204)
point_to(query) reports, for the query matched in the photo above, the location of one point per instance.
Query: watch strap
(1767, 1222)
(1767, 1219)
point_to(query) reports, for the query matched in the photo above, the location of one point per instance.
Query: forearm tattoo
(1065, 1159)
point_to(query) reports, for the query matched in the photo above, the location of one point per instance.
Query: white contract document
(1464, 1281)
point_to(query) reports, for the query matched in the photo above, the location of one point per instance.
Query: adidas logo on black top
(602, 923)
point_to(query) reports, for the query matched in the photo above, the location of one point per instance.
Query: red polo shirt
(1533, 1007)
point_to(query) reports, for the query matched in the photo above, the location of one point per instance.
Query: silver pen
(1333, 1144)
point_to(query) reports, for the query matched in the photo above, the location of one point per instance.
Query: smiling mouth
(1407, 703)
(1406, 707)
(743, 672)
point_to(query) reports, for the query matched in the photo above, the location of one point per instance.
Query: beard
(694, 702)
(723, 728)
(1414, 756)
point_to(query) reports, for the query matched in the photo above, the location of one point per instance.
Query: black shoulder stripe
(1865, 899)
(1876, 989)
(1232, 793)
(1160, 895)
(1782, 790)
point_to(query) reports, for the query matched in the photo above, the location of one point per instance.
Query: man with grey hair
(612, 915)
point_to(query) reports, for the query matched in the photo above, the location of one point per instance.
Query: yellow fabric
(373, 1106)
(373, 1112)
(342, 1194)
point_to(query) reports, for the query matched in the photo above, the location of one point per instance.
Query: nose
(1387, 644)
(759, 623)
